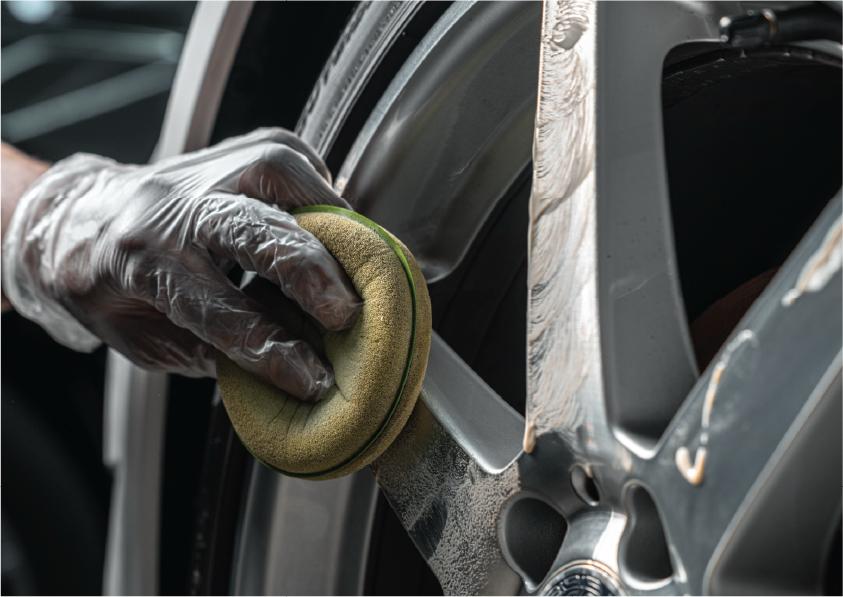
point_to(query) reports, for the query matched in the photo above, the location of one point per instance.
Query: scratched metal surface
(449, 506)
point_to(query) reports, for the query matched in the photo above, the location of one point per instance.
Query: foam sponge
(379, 363)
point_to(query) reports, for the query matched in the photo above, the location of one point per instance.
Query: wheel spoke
(483, 425)
(759, 438)
(446, 477)
(564, 386)
(647, 355)
(609, 352)
(449, 506)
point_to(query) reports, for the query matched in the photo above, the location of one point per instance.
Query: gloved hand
(137, 256)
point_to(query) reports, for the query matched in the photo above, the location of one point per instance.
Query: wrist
(19, 172)
(34, 234)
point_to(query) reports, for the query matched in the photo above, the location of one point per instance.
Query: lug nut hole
(531, 534)
(585, 486)
(644, 554)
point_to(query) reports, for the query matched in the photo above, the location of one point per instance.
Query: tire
(52, 529)
(373, 29)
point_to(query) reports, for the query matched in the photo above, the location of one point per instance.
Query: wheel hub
(581, 578)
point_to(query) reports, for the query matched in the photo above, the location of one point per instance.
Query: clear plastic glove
(137, 256)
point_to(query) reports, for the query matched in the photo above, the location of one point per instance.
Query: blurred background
(76, 76)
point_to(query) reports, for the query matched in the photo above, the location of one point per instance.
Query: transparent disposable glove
(137, 256)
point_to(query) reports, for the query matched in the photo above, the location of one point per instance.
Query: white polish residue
(529, 437)
(693, 471)
(822, 265)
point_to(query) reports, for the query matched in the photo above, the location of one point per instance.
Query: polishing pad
(378, 363)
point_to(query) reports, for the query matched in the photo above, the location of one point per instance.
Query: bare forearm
(19, 171)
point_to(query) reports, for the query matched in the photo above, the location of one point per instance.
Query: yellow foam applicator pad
(379, 363)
